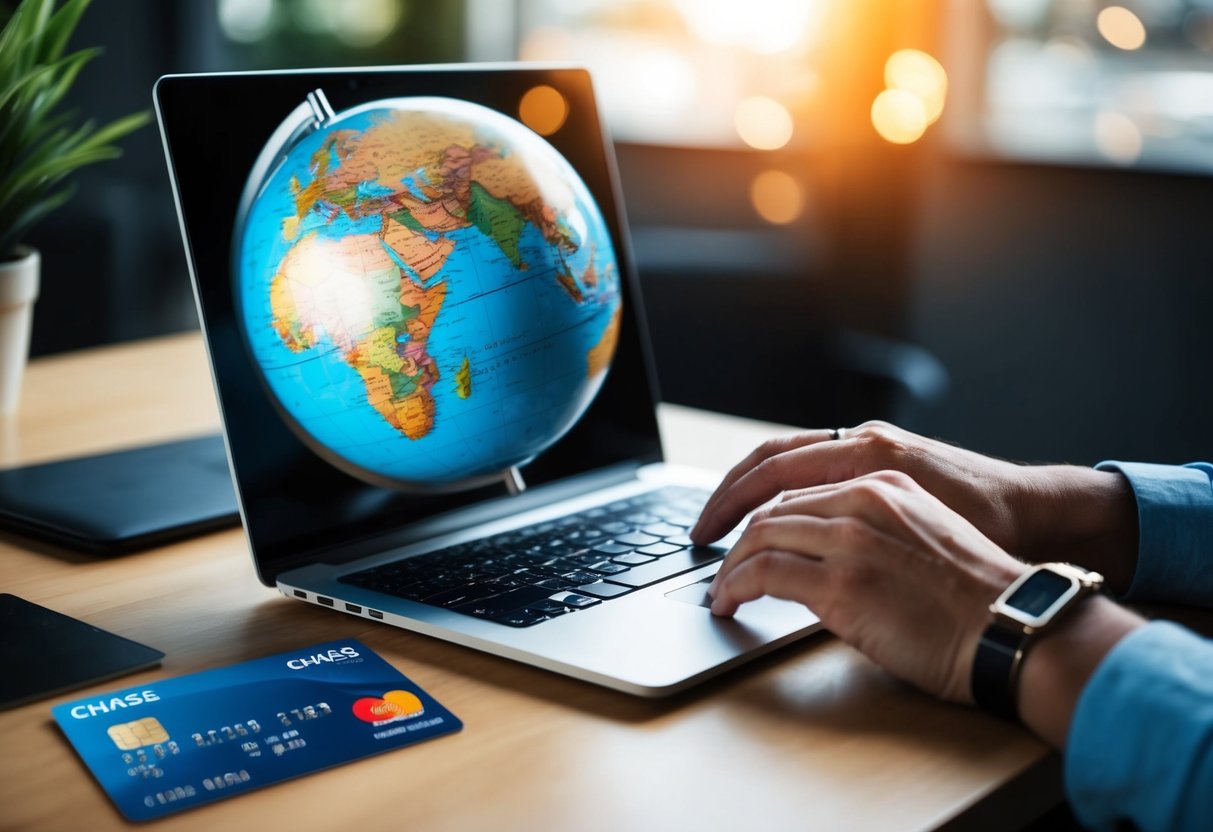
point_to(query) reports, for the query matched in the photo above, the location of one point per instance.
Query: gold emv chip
(131, 735)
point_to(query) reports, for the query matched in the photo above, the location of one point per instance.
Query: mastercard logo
(395, 704)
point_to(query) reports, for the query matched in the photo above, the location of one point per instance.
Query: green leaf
(39, 145)
(69, 68)
(27, 99)
(50, 170)
(59, 29)
(117, 129)
(8, 42)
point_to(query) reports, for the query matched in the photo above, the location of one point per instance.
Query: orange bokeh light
(777, 197)
(543, 109)
(899, 116)
(917, 72)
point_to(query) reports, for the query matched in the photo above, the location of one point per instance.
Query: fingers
(807, 460)
(766, 450)
(807, 465)
(830, 520)
(816, 538)
(776, 573)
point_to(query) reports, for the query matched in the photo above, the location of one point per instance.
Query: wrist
(1061, 662)
(1083, 516)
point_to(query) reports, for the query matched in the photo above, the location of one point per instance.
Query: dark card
(44, 653)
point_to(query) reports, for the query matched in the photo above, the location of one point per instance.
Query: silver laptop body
(316, 531)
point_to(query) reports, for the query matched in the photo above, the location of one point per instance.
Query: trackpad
(696, 593)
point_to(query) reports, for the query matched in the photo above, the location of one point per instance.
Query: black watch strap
(995, 668)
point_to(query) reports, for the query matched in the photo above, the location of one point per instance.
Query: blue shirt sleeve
(1140, 745)
(1175, 518)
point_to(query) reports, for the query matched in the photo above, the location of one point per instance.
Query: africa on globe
(428, 290)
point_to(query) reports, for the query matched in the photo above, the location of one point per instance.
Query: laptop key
(612, 548)
(663, 530)
(633, 559)
(548, 607)
(608, 568)
(577, 602)
(660, 550)
(521, 618)
(581, 577)
(601, 589)
(637, 539)
(669, 566)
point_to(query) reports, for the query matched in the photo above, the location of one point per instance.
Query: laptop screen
(328, 428)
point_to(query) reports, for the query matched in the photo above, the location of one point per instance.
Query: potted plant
(40, 146)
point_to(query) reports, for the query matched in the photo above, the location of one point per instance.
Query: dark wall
(801, 323)
(1072, 309)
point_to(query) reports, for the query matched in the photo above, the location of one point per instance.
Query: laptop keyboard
(526, 576)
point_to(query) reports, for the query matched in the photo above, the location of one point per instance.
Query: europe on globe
(428, 289)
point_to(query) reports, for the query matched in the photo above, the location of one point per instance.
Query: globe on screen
(429, 291)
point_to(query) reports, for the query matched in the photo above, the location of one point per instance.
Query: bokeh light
(777, 197)
(246, 21)
(543, 109)
(1118, 137)
(916, 72)
(763, 123)
(899, 116)
(1121, 28)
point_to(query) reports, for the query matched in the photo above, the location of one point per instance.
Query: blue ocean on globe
(428, 290)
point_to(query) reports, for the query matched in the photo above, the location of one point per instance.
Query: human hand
(886, 565)
(1040, 513)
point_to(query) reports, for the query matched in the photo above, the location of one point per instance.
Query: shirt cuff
(1140, 745)
(1175, 521)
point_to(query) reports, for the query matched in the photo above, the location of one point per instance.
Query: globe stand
(514, 483)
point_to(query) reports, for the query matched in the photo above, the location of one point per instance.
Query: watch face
(1039, 592)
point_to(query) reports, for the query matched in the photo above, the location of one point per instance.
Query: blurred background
(988, 220)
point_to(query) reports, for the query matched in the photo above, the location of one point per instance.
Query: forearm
(1059, 664)
(1082, 516)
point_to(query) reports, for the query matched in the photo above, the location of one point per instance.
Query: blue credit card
(165, 746)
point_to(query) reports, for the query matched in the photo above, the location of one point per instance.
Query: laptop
(430, 356)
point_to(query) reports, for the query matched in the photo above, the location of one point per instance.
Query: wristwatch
(1028, 607)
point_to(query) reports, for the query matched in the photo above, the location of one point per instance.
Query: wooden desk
(812, 737)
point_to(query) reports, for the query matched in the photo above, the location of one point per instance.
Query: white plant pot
(18, 291)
